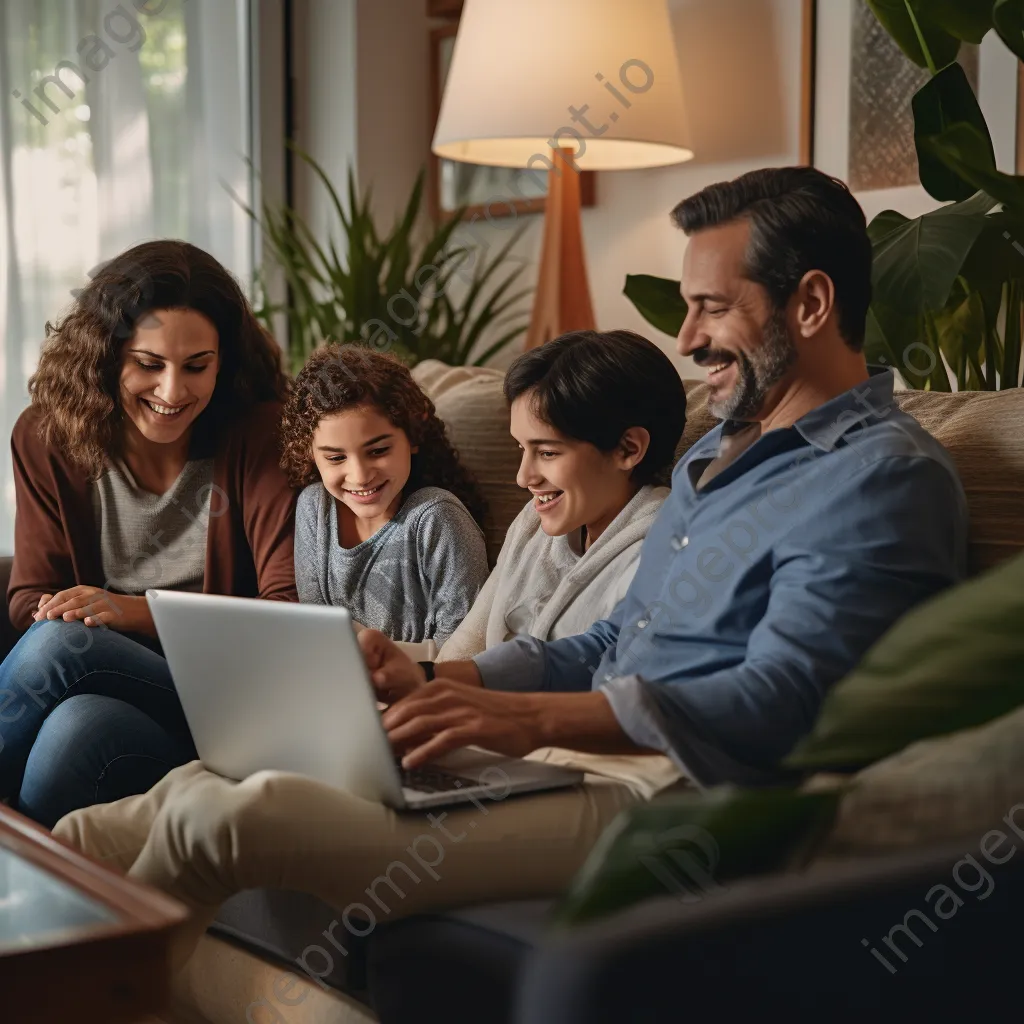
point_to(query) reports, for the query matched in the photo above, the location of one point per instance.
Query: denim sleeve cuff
(639, 719)
(516, 665)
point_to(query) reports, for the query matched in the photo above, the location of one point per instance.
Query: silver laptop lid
(275, 685)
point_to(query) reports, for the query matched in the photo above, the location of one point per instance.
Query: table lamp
(558, 86)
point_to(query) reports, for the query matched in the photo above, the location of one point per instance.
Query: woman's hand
(97, 607)
(392, 672)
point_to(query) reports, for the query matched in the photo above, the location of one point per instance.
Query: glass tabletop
(37, 909)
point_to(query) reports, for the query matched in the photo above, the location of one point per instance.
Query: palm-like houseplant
(948, 286)
(418, 294)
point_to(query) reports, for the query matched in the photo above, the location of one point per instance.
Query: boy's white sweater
(548, 587)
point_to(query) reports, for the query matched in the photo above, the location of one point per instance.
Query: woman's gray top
(153, 540)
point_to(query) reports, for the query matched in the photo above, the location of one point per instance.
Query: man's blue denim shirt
(758, 592)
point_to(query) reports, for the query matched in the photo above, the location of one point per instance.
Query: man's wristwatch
(428, 669)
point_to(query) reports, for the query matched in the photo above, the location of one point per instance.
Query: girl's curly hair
(339, 377)
(76, 386)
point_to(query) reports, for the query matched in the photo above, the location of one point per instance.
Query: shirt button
(678, 543)
(641, 623)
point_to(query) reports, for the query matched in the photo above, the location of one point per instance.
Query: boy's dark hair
(593, 386)
(800, 220)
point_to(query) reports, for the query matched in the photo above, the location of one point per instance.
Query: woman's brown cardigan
(249, 548)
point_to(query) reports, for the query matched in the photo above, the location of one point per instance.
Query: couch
(791, 941)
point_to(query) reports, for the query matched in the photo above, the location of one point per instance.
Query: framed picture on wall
(481, 188)
(857, 120)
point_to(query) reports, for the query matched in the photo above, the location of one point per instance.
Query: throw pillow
(936, 790)
(954, 662)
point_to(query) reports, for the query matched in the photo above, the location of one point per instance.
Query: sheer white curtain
(119, 122)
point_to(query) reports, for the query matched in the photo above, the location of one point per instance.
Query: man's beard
(758, 373)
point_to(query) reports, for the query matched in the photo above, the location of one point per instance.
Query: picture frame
(857, 85)
(453, 184)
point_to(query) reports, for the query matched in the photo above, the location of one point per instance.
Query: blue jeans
(94, 750)
(57, 660)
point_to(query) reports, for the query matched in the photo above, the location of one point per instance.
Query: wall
(740, 65)
(740, 62)
(325, 99)
(394, 130)
(360, 100)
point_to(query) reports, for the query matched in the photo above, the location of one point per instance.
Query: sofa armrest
(799, 944)
(8, 634)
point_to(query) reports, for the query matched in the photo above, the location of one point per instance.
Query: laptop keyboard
(433, 780)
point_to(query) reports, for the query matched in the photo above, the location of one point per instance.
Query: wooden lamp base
(562, 302)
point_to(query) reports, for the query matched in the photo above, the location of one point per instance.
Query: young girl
(597, 418)
(387, 525)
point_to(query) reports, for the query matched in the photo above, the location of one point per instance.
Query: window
(119, 122)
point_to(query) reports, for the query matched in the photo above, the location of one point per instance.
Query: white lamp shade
(522, 68)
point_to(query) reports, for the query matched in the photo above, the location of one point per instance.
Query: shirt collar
(866, 402)
(824, 426)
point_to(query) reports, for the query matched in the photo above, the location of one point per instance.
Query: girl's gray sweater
(415, 579)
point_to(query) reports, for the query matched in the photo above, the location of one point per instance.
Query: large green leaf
(992, 262)
(885, 222)
(968, 20)
(960, 148)
(894, 339)
(687, 846)
(947, 99)
(916, 264)
(961, 334)
(898, 18)
(658, 301)
(1008, 18)
(880, 346)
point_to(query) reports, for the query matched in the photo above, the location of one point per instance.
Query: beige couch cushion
(472, 405)
(698, 420)
(982, 431)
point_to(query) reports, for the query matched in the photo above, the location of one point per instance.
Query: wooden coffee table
(77, 942)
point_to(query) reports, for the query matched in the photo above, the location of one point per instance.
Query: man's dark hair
(593, 386)
(800, 220)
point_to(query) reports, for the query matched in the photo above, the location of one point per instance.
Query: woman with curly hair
(149, 457)
(385, 525)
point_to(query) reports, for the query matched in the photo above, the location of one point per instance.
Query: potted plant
(418, 294)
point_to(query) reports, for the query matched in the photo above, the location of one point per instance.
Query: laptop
(275, 685)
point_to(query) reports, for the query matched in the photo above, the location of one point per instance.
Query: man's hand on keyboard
(446, 715)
